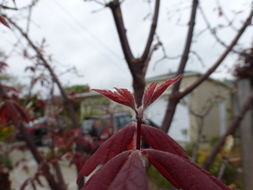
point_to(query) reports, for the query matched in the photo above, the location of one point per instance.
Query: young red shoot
(124, 159)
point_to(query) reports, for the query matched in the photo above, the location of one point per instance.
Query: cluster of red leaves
(124, 165)
(10, 111)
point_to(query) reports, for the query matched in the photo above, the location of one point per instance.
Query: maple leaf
(159, 140)
(4, 22)
(122, 96)
(11, 111)
(124, 172)
(153, 91)
(183, 173)
(110, 148)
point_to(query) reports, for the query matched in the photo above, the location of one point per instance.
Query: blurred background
(53, 52)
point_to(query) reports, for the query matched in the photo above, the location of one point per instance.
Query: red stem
(138, 136)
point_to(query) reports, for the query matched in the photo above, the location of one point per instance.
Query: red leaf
(110, 148)
(147, 97)
(104, 176)
(124, 172)
(183, 173)
(153, 92)
(9, 88)
(132, 175)
(122, 96)
(161, 141)
(11, 111)
(4, 22)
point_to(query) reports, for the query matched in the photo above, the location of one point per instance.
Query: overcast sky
(82, 34)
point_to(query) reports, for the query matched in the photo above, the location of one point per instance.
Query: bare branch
(8, 8)
(51, 71)
(199, 58)
(214, 33)
(165, 56)
(220, 60)
(173, 102)
(119, 22)
(152, 31)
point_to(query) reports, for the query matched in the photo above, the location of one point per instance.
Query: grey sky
(78, 37)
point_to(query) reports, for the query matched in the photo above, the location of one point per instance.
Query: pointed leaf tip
(121, 96)
(153, 91)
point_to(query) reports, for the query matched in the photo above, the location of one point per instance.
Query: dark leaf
(122, 96)
(153, 92)
(104, 176)
(132, 175)
(161, 141)
(10, 111)
(183, 173)
(110, 148)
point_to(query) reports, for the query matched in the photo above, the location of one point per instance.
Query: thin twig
(220, 60)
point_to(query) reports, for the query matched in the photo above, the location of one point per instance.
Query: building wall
(210, 95)
(215, 97)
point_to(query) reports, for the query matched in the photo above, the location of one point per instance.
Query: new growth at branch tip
(125, 97)
(123, 158)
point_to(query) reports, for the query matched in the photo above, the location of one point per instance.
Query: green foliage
(230, 175)
(155, 176)
(78, 88)
(5, 131)
(5, 161)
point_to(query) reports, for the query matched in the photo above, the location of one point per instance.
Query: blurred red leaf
(183, 173)
(110, 148)
(4, 22)
(104, 176)
(132, 175)
(9, 88)
(11, 111)
(153, 92)
(161, 141)
(122, 96)
(3, 65)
